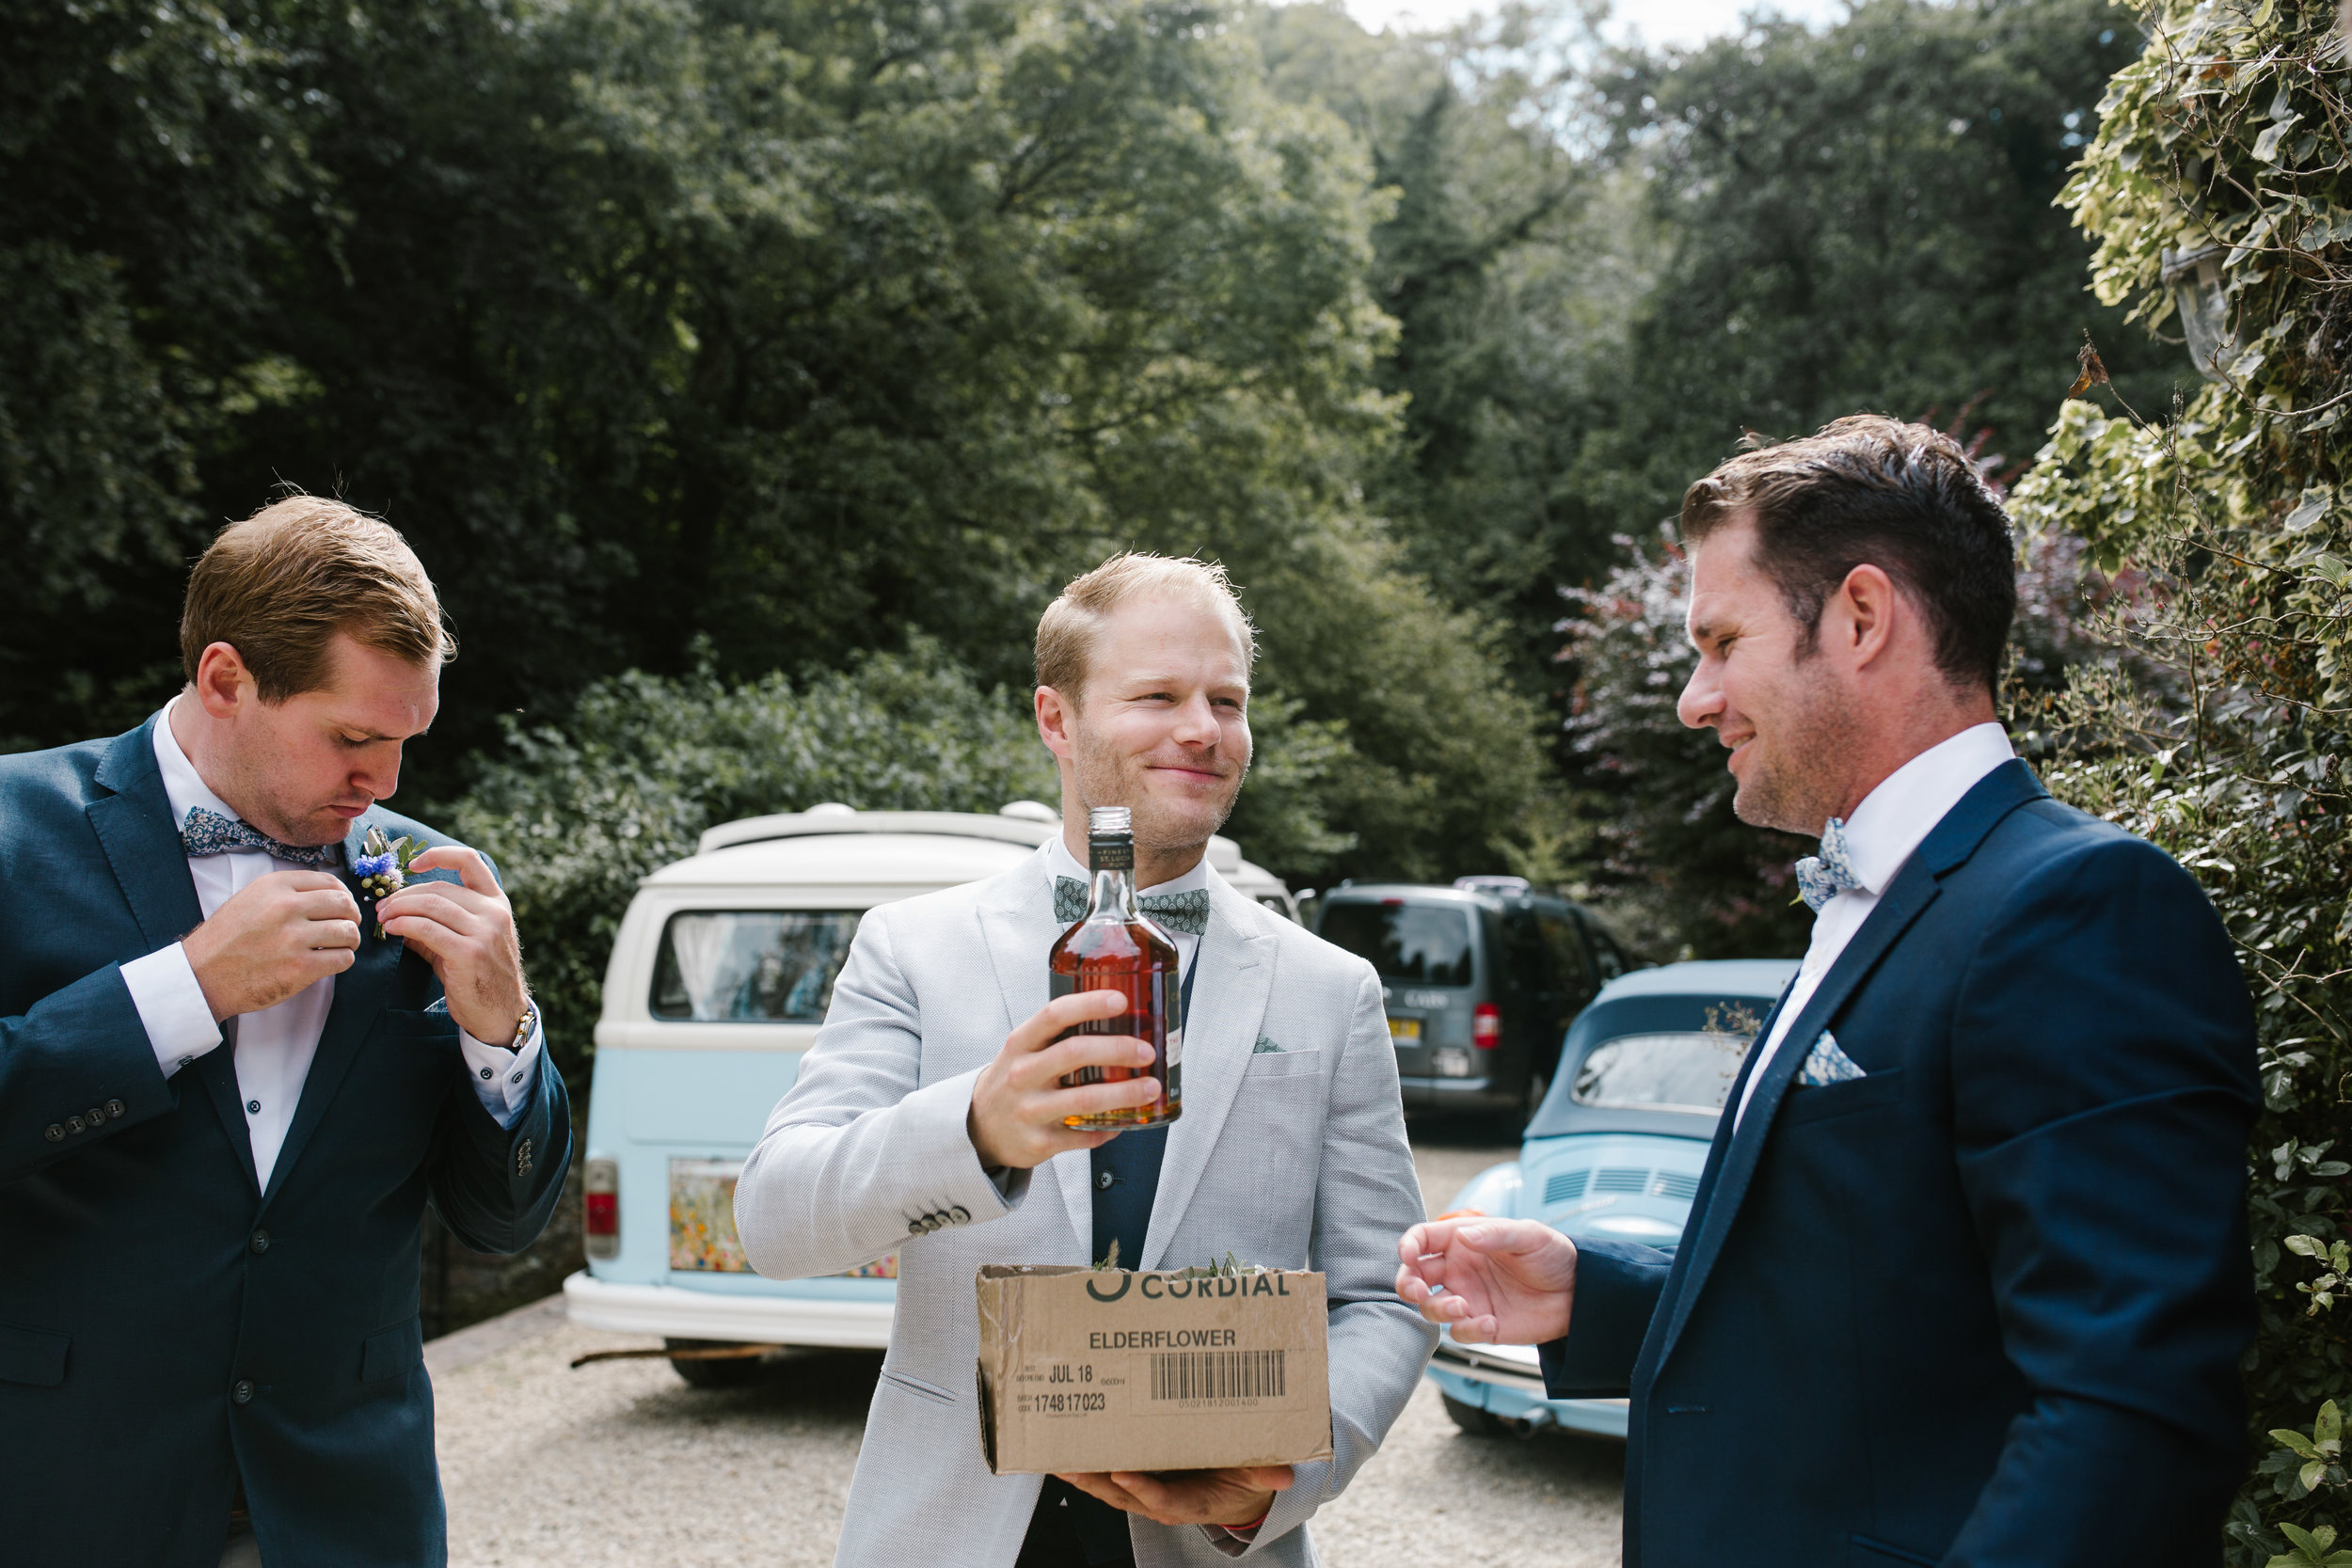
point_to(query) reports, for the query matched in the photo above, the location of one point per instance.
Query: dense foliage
(2227, 152)
(575, 815)
(801, 328)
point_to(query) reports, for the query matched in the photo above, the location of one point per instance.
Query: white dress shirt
(274, 1045)
(1879, 836)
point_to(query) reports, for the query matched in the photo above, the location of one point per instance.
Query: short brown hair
(1065, 633)
(1902, 498)
(279, 585)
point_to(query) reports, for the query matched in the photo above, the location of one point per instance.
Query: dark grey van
(1481, 981)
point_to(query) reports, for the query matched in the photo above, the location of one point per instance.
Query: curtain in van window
(716, 954)
(751, 965)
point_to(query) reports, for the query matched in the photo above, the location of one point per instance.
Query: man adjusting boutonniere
(223, 1111)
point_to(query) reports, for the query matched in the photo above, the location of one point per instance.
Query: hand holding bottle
(1019, 1106)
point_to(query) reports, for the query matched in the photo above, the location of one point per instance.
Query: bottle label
(1111, 854)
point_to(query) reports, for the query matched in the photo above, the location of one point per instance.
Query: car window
(1605, 954)
(1567, 953)
(751, 966)
(1523, 952)
(1428, 944)
(1683, 1071)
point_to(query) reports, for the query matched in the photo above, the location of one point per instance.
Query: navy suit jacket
(165, 1325)
(1985, 1304)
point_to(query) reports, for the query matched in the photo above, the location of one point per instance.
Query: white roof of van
(876, 857)
(1024, 823)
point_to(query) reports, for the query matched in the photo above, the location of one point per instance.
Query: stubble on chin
(1108, 779)
(1794, 785)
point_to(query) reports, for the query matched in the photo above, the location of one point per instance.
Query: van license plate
(1405, 1031)
(702, 1224)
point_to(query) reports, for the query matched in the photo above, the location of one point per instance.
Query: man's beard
(1105, 777)
(1794, 785)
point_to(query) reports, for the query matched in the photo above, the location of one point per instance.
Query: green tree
(2223, 150)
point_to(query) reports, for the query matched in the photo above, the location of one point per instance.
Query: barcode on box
(1218, 1374)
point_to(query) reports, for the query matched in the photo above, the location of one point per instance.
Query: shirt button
(1103, 1179)
(260, 1242)
(516, 1079)
(253, 1107)
(241, 1391)
(485, 1074)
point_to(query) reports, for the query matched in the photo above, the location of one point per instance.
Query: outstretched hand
(1232, 1498)
(1508, 1282)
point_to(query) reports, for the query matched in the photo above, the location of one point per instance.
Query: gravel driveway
(620, 1462)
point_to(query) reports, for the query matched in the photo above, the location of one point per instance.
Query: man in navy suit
(227, 1091)
(1966, 1279)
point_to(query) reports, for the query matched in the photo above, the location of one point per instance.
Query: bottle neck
(1113, 896)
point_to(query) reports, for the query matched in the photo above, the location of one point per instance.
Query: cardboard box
(1086, 1369)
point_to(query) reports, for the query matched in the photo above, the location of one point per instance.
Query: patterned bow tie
(1821, 878)
(208, 833)
(1188, 913)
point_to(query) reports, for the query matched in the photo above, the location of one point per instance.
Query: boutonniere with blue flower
(382, 867)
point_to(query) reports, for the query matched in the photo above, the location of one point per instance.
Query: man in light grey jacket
(928, 1118)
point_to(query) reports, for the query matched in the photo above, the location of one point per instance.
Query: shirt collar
(1059, 862)
(183, 787)
(1911, 800)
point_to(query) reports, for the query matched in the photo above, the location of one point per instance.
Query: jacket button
(960, 1215)
(260, 1242)
(114, 1107)
(241, 1391)
(96, 1115)
(914, 1228)
(1102, 1181)
(73, 1124)
(54, 1132)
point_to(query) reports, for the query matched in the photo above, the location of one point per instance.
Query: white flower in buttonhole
(382, 866)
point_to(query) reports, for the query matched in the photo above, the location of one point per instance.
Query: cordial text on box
(1092, 1369)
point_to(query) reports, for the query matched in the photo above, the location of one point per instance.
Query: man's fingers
(426, 903)
(1107, 1490)
(1038, 1030)
(331, 935)
(325, 903)
(1059, 1060)
(470, 867)
(305, 881)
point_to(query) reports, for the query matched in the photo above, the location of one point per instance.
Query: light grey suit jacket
(1291, 1152)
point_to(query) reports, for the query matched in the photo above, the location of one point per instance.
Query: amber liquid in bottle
(1113, 947)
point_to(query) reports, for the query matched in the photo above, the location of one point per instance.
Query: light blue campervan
(1613, 1154)
(720, 976)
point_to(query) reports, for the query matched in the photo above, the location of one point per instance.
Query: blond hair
(1065, 633)
(279, 585)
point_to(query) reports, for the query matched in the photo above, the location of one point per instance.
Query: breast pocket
(1806, 1104)
(1267, 1066)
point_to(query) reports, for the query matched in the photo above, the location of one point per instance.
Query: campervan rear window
(1424, 943)
(751, 966)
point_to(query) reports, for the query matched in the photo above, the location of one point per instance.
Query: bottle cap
(1105, 820)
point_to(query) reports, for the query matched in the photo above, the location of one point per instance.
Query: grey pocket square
(1827, 1064)
(1264, 1046)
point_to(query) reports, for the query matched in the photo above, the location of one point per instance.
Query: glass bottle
(1115, 947)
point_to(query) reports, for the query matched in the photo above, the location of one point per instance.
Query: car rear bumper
(675, 1313)
(1511, 1394)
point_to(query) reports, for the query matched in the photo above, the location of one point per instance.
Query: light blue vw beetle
(1614, 1153)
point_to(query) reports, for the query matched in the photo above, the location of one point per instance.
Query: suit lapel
(1017, 923)
(1229, 997)
(135, 827)
(362, 993)
(1733, 1165)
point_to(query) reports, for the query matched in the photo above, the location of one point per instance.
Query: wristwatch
(524, 1025)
